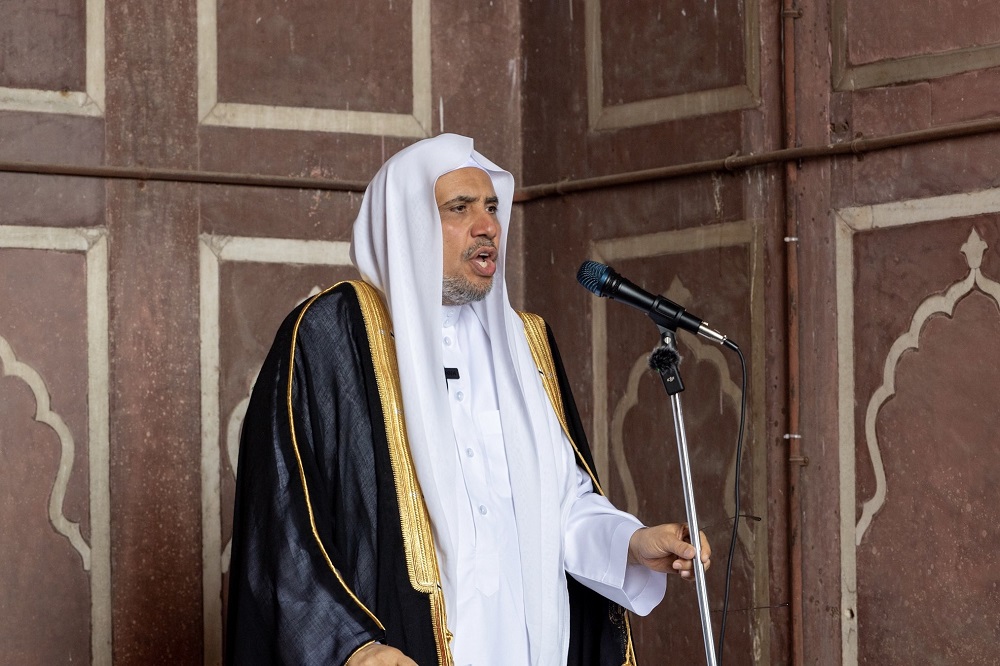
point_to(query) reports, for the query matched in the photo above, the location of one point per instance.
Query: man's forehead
(465, 182)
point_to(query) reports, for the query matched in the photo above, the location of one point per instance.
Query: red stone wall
(675, 83)
(134, 315)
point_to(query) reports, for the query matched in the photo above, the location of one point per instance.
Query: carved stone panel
(45, 476)
(929, 425)
(892, 30)
(53, 56)
(296, 77)
(881, 43)
(919, 304)
(295, 62)
(44, 45)
(662, 61)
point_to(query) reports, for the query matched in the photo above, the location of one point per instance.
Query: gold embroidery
(418, 540)
(538, 342)
(629, 650)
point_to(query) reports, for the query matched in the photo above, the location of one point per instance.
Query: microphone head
(663, 358)
(593, 276)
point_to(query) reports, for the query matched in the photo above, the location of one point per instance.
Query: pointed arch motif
(973, 249)
(67, 447)
(92, 242)
(849, 222)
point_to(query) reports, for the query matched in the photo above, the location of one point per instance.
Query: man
(414, 484)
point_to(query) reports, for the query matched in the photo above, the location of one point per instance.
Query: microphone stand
(670, 375)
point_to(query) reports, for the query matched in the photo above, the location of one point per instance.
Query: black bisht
(286, 603)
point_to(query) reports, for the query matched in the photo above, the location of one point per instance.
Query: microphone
(606, 283)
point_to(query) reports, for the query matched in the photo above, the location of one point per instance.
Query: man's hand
(667, 548)
(376, 654)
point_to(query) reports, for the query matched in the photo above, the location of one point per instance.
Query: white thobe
(488, 623)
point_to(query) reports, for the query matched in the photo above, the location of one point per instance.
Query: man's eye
(458, 209)
(493, 209)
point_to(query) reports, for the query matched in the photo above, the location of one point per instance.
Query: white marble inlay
(416, 124)
(89, 102)
(662, 109)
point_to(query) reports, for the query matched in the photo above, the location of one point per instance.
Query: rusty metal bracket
(730, 162)
(799, 460)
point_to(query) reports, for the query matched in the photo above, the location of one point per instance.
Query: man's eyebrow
(492, 200)
(461, 198)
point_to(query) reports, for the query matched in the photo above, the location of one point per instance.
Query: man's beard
(458, 291)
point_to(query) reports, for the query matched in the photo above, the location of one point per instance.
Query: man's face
(469, 229)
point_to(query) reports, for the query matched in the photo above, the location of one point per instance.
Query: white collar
(450, 315)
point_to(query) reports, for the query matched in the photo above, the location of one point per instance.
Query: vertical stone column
(153, 236)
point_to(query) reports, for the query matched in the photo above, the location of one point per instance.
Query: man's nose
(486, 224)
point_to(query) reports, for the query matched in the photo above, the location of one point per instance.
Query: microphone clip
(666, 361)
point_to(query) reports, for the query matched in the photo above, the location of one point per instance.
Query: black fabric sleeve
(303, 574)
(573, 421)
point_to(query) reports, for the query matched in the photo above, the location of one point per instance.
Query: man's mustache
(484, 242)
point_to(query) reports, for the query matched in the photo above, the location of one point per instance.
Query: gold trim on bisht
(302, 473)
(538, 342)
(418, 540)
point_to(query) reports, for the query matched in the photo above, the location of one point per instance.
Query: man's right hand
(376, 654)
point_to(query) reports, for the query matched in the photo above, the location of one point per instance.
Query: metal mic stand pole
(665, 360)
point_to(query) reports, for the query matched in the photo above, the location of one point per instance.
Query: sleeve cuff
(632, 586)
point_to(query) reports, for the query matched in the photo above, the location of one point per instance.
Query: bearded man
(414, 483)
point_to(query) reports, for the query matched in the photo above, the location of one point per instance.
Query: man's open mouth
(484, 260)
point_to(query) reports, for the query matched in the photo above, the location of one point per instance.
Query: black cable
(736, 513)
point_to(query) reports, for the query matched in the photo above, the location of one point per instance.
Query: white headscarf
(397, 247)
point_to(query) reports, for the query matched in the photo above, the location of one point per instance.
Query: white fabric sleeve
(596, 552)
